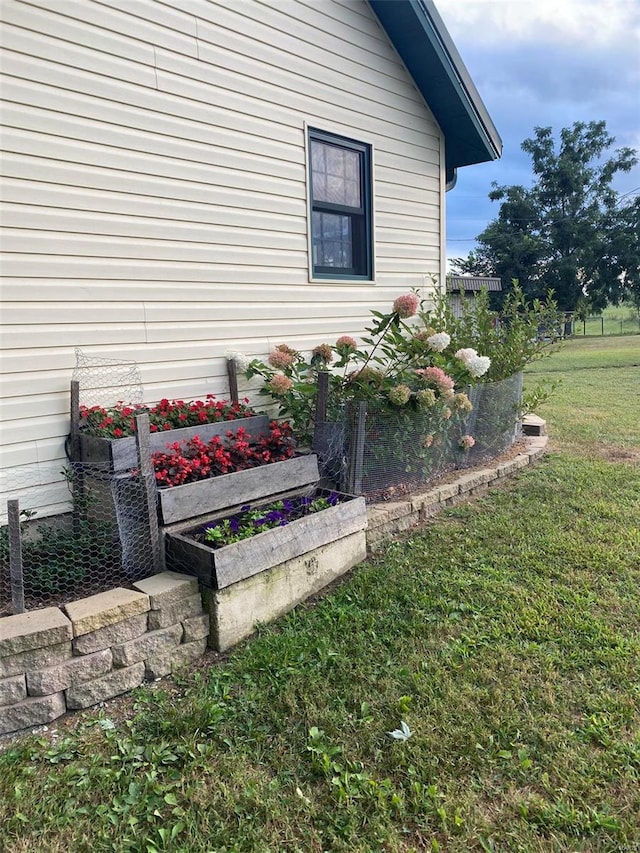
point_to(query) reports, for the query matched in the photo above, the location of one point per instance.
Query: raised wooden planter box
(218, 568)
(237, 610)
(228, 490)
(120, 454)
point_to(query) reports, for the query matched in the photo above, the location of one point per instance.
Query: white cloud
(578, 23)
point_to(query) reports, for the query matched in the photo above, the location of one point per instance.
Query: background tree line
(570, 231)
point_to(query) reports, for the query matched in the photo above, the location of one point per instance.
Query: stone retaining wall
(60, 659)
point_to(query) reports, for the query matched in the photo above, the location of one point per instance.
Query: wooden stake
(232, 372)
(149, 486)
(15, 556)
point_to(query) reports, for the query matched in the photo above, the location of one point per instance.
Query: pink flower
(467, 442)
(324, 352)
(280, 384)
(436, 376)
(280, 359)
(406, 305)
(346, 342)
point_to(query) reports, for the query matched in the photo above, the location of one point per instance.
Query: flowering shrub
(521, 333)
(414, 367)
(119, 420)
(194, 460)
(400, 365)
(250, 521)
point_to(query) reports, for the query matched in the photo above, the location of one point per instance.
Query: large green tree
(569, 232)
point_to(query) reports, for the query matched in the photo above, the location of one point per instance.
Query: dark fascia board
(420, 37)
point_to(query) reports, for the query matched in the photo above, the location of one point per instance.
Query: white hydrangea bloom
(439, 342)
(466, 354)
(478, 365)
(241, 359)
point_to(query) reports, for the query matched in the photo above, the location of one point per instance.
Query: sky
(546, 63)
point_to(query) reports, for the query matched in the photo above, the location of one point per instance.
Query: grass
(505, 636)
(595, 408)
(614, 320)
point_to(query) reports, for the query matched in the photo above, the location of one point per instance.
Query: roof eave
(420, 37)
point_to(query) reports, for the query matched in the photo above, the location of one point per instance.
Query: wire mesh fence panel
(494, 421)
(398, 450)
(106, 381)
(103, 538)
(102, 543)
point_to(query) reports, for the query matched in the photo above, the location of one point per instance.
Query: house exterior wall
(155, 195)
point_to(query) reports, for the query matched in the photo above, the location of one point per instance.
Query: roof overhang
(472, 284)
(420, 37)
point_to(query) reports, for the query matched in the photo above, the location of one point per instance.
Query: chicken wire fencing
(104, 530)
(382, 453)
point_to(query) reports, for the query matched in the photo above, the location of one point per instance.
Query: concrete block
(105, 608)
(376, 516)
(448, 490)
(34, 659)
(174, 613)
(31, 712)
(74, 671)
(168, 662)
(423, 499)
(508, 468)
(236, 610)
(13, 689)
(397, 509)
(167, 588)
(111, 635)
(536, 447)
(196, 628)
(473, 479)
(33, 630)
(151, 643)
(113, 684)
(534, 425)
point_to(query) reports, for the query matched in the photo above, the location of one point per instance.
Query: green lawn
(614, 320)
(595, 408)
(505, 636)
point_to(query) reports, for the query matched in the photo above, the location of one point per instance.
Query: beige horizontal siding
(155, 201)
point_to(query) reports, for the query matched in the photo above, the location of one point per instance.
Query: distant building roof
(474, 283)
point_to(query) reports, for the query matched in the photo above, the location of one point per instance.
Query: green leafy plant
(252, 520)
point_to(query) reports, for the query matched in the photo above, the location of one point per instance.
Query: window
(340, 178)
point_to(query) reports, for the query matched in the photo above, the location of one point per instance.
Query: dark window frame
(360, 218)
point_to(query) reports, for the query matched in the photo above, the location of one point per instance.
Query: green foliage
(569, 232)
(521, 333)
(57, 558)
(249, 522)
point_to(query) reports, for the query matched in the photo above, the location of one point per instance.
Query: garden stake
(149, 486)
(15, 556)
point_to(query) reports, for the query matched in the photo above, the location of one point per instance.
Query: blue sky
(542, 63)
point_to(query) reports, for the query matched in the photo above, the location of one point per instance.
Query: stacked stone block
(54, 660)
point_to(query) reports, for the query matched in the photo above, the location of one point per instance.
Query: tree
(569, 231)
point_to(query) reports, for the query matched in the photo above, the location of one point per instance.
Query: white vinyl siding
(155, 199)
